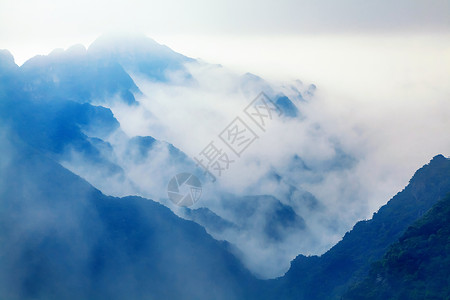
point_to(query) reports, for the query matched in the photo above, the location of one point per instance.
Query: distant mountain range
(62, 238)
(61, 104)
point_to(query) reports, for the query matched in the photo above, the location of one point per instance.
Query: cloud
(190, 115)
(223, 17)
(351, 149)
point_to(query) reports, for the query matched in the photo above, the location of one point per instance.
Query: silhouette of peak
(438, 158)
(138, 54)
(6, 59)
(77, 49)
(121, 44)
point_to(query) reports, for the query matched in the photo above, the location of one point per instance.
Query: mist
(353, 152)
(357, 140)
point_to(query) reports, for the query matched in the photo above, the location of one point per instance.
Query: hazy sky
(41, 25)
(25, 19)
(324, 42)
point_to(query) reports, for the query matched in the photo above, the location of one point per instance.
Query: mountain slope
(62, 239)
(328, 276)
(140, 55)
(417, 266)
(49, 102)
(121, 247)
(40, 102)
(76, 75)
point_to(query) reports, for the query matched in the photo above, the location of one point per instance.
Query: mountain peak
(368, 240)
(139, 54)
(122, 41)
(434, 167)
(5, 55)
(78, 49)
(438, 158)
(120, 45)
(6, 59)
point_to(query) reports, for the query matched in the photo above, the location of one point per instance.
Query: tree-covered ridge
(329, 276)
(417, 266)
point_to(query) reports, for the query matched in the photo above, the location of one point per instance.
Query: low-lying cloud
(351, 156)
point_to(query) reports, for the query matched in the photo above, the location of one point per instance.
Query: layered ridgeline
(63, 239)
(417, 266)
(48, 102)
(329, 276)
(63, 104)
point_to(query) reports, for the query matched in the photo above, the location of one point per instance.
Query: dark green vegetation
(330, 275)
(417, 266)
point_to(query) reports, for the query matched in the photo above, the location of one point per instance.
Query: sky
(43, 25)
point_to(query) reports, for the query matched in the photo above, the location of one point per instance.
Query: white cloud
(389, 140)
(381, 99)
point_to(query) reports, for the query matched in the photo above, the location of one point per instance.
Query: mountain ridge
(328, 276)
(416, 266)
(59, 234)
(49, 104)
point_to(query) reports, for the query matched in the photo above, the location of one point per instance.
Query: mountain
(263, 215)
(415, 267)
(8, 74)
(76, 75)
(63, 104)
(49, 103)
(328, 276)
(140, 55)
(208, 219)
(286, 105)
(272, 217)
(63, 239)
